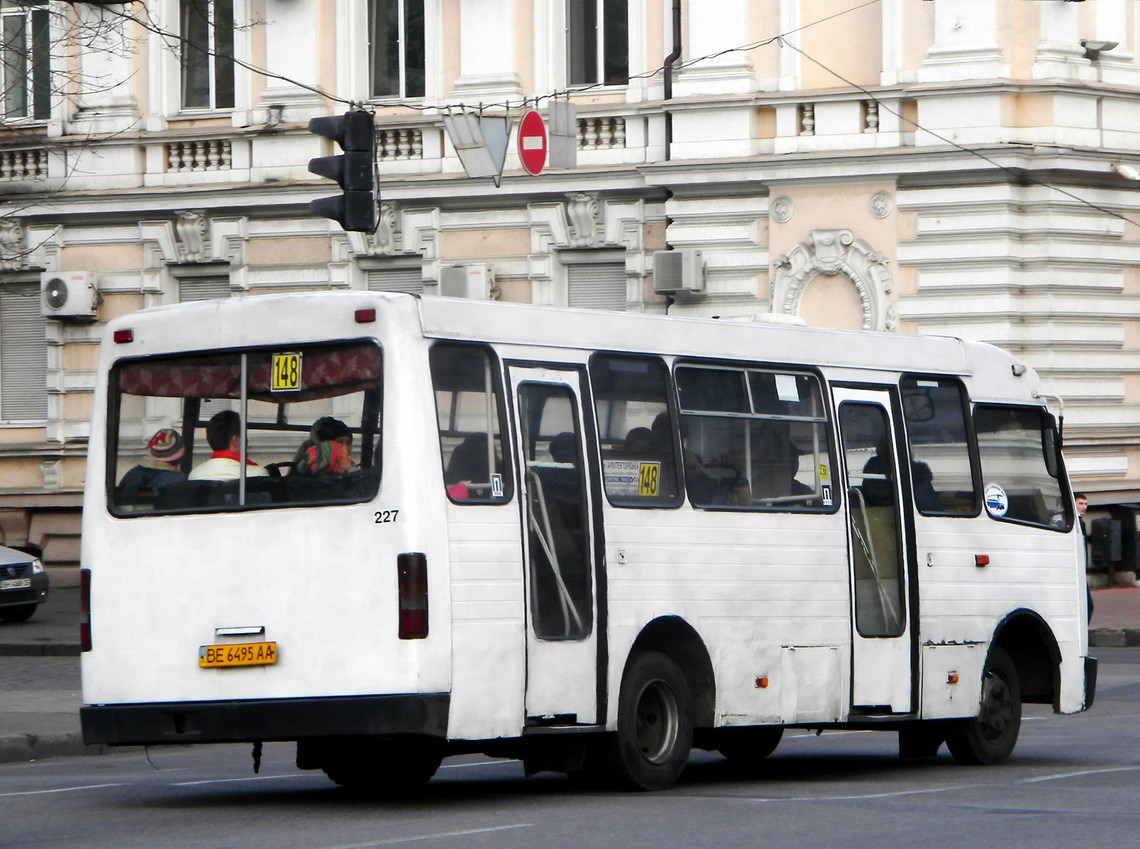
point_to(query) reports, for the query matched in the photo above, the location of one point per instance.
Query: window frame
(404, 47)
(506, 448)
(592, 33)
(971, 442)
(665, 502)
(34, 71)
(112, 436)
(826, 418)
(1065, 498)
(213, 60)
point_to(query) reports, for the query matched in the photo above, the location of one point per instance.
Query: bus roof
(211, 324)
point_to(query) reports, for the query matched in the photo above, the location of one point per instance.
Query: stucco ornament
(192, 228)
(783, 209)
(881, 204)
(835, 252)
(12, 252)
(583, 213)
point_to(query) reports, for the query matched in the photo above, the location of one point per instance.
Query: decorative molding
(783, 209)
(582, 211)
(13, 254)
(835, 252)
(882, 204)
(192, 232)
(386, 240)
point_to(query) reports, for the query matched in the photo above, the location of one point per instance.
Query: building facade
(915, 166)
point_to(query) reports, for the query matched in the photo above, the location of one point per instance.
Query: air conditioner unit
(466, 281)
(678, 272)
(68, 294)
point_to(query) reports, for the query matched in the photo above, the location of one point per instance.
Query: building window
(209, 288)
(25, 70)
(597, 42)
(396, 48)
(23, 354)
(395, 279)
(207, 54)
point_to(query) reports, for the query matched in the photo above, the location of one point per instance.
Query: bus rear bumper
(264, 720)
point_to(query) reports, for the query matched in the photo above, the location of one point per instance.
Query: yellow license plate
(237, 654)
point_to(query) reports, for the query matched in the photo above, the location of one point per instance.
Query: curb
(39, 650)
(17, 748)
(1114, 637)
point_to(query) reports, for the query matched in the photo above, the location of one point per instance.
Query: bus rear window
(305, 419)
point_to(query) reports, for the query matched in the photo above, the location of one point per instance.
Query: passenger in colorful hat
(327, 451)
(160, 468)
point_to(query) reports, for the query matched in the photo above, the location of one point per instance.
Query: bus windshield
(305, 419)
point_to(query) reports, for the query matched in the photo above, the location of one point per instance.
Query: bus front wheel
(654, 727)
(989, 737)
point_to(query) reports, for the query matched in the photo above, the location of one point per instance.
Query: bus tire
(747, 745)
(654, 725)
(989, 737)
(385, 767)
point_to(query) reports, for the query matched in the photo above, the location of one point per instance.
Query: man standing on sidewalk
(1082, 506)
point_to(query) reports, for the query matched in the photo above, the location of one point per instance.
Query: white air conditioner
(466, 281)
(68, 294)
(678, 272)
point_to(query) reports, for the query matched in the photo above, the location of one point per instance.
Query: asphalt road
(1074, 782)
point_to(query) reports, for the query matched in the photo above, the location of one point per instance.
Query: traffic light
(355, 208)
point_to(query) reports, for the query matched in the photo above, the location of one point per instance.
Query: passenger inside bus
(223, 433)
(326, 451)
(160, 468)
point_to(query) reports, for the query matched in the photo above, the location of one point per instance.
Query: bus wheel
(385, 767)
(654, 725)
(748, 745)
(989, 737)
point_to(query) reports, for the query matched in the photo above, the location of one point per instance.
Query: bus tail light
(123, 336)
(412, 571)
(85, 610)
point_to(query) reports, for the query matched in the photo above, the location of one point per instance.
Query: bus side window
(942, 474)
(1019, 486)
(468, 403)
(635, 430)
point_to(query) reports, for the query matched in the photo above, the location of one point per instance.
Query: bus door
(882, 618)
(558, 532)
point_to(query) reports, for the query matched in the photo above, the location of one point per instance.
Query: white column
(487, 72)
(965, 42)
(1059, 51)
(1117, 65)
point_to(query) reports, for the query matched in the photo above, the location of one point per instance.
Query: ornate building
(915, 166)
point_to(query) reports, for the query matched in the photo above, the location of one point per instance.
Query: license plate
(16, 584)
(237, 654)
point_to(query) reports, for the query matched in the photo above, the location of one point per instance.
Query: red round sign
(532, 142)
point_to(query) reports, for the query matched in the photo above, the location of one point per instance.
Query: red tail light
(85, 609)
(412, 571)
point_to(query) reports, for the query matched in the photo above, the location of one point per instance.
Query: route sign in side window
(1020, 466)
(468, 403)
(635, 430)
(231, 430)
(942, 475)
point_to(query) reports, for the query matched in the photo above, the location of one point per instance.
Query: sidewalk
(39, 671)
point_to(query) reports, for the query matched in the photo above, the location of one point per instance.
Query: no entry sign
(532, 142)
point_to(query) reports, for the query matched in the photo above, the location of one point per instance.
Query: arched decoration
(835, 253)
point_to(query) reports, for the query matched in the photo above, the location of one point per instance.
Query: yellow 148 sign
(286, 372)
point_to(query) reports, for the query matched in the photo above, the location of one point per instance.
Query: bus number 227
(384, 517)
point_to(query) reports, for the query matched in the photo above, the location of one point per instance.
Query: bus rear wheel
(384, 767)
(989, 737)
(655, 725)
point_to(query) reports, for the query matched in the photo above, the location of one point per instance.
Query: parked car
(23, 585)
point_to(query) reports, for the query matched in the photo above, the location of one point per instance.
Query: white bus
(592, 541)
